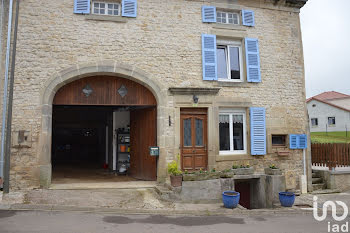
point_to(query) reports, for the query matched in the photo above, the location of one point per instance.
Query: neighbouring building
(329, 111)
(97, 83)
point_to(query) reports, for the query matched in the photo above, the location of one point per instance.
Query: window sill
(231, 84)
(229, 26)
(231, 157)
(117, 19)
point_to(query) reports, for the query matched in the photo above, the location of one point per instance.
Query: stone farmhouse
(99, 82)
(329, 112)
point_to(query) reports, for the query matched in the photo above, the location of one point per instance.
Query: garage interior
(86, 144)
(102, 128)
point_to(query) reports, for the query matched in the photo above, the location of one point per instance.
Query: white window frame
(231, 112)
(316, 125)
(106, 8)
(226, 16)
(332, 125)
(227, 45)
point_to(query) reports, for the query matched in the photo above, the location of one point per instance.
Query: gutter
(4, 103)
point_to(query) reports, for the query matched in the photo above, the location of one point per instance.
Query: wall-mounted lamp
(195, 99)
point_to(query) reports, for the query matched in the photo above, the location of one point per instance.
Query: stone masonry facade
(160, 48)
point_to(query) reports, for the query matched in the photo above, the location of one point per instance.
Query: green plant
(227, 170)
(273, 166)
(173, 167)
(200, 170)
(213, 170)
(245, 166)
(186, 172)
(235, 166)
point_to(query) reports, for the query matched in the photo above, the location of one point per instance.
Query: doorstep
(105, 185)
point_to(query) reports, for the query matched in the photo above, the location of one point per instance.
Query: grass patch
(330, 137)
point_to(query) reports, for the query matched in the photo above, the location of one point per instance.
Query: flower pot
(230, 199)
(287, 198)
(176, 181)
(272, 172)
(122, 148)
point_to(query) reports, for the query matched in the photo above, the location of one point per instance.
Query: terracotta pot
(122, 148)
(176, 181)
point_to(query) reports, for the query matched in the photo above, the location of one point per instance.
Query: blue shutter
(258, 131)
(248, 18)
(302, 141)
(82, 6)
(129, 8)
(209, 14)
(252, 60)
(293, 141)
(209, 57)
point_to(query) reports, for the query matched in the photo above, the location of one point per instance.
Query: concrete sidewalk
(141, 201)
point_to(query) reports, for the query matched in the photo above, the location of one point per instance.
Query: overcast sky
(325, 28)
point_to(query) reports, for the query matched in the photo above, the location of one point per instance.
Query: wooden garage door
(194, 154)
(143, 133)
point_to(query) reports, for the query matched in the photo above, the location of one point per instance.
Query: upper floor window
(106, 8)
(227, 17)
(229, 61)
(314, 122)
(331, 121)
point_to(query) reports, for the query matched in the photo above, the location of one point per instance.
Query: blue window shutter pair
(257, 131)
(209, 58)
(297, 141)
(129, 7)
(209, 14)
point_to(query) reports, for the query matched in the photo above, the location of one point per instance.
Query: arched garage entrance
(103, 122)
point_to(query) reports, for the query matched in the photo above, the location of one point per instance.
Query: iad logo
(332, 227)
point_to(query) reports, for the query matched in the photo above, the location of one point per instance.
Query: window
(331, 121)
(232, 132)
(106, 8)
(279, 140)
(227, 17)
(229, 61)
(314, 122)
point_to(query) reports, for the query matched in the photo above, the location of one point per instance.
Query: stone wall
(164, 43)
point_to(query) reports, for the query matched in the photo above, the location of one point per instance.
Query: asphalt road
(76, 222)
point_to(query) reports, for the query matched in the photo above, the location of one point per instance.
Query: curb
(223, 212)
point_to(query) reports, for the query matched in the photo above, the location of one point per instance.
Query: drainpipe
(1, 38)
(9, 111)
(4, 103)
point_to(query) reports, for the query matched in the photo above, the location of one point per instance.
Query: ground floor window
(232, 131)
(314, 122)
(331, 121)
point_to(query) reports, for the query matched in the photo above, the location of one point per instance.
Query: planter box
(243, 171)
(272, 172)
(201, 176)
(229, 174)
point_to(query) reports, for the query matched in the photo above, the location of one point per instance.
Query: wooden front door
(143, 134)
(194, 155)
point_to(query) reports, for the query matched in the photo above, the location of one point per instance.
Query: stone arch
(110, 68)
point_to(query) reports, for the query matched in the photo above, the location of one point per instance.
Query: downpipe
(4, 103)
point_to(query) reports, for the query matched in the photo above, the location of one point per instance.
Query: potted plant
(175, 174)
(230, 199)
(287, 199)
(273, 170)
